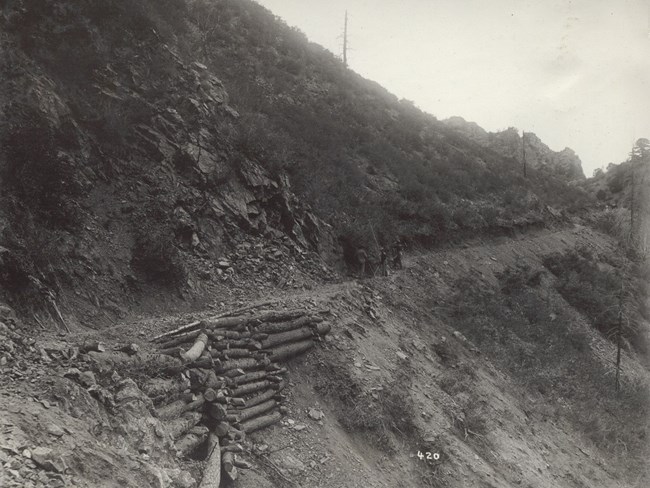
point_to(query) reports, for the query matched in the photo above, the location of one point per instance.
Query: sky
(574, 72)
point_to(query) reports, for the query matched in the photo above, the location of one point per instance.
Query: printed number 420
(428, 456)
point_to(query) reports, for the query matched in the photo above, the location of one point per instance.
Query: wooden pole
(523, 149)
(345, 40)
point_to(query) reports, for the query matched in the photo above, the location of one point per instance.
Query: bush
(379, 420)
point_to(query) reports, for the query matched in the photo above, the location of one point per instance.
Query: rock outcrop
(508, 143)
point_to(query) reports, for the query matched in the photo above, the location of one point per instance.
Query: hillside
(154, 138)
(185, 186)
(509, 144)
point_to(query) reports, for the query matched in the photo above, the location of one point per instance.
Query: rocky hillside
(149, 148)
(508, 143)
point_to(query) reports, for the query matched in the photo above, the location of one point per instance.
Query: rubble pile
(228, 381)
(281, 262)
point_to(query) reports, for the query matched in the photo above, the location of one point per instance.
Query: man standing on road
(362, 258)
(397, 257)
(383, 268)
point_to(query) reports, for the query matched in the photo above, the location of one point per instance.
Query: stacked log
(231, 380)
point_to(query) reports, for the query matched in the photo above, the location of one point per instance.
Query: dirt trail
(387, 336)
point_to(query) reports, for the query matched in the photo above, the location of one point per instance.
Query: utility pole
(345, 40)
(523, 149)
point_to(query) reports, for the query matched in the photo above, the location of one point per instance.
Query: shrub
(378, 420)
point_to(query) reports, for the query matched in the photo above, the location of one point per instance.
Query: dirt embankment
(498, 386)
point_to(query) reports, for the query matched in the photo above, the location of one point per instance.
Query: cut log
(181, 426)
(180, 330)
(196, 350)
(187, 444)
(237, 344)
(261, 422)
(250, 377)
(212, 395)
(274, 328)
(237, 402)
(249, 413)
(206, 361)
(217, 411)
(232, 353)
(267, 395)
(245, 364)
(163, 365)
(228, 465)
(278, 315)
(219, 335)
(224, 323)
(180, 339)
(283, 352)
(212, 472)
(194, 405)
(249, 388)
(285, 337)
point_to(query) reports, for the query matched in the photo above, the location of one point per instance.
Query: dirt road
(481, 426)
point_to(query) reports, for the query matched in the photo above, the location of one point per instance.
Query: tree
(641, 150)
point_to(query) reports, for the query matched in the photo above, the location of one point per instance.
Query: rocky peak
(508, 143)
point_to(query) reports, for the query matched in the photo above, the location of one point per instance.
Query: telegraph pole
(345, 40)
(523, 149)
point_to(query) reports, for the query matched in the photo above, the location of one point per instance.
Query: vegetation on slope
(355, 151)
(359, 155)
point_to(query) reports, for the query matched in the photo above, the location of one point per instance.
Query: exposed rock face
(565, 163)
(128, 169)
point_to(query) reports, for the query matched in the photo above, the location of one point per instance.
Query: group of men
(381, 265)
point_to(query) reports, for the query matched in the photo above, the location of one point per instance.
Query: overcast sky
(577, 73)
